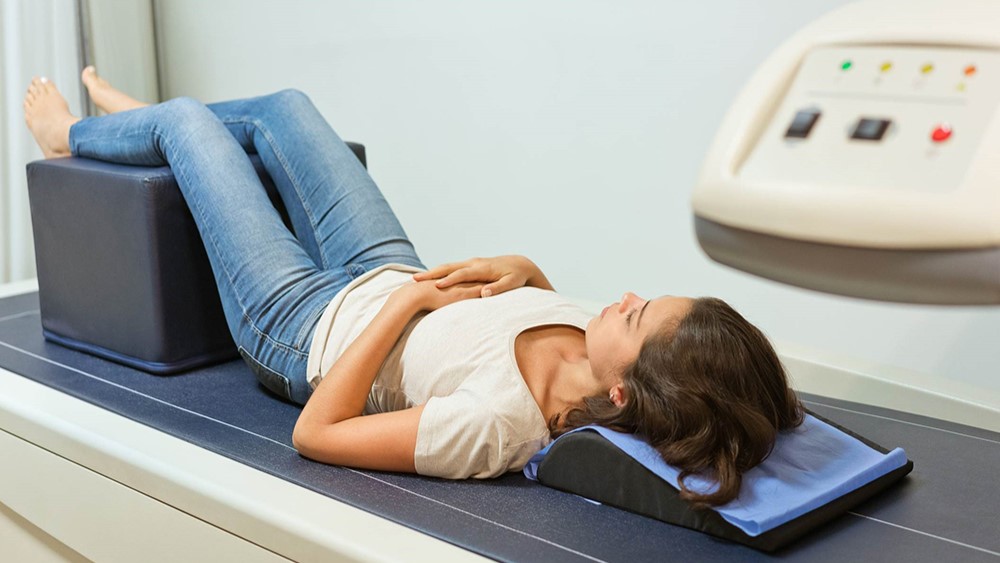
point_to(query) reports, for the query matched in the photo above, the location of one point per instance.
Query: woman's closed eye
(628, 317)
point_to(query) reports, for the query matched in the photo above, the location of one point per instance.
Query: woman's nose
(628, 300)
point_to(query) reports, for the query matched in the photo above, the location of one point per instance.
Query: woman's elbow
(300, 438)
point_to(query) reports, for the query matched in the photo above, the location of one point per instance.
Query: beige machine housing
(863, 157)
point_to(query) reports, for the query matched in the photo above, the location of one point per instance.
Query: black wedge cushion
(587, 464)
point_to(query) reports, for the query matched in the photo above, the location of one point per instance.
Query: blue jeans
(274, 285)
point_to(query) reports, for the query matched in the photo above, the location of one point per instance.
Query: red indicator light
(941, 133)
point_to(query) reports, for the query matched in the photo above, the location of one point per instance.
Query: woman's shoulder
(464, 437)
(458, 438)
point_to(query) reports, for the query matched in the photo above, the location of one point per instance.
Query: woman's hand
(498, 274)
(426, 296)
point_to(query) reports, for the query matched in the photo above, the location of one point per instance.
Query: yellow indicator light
(960, 87)
(926, 69)
(886, 67)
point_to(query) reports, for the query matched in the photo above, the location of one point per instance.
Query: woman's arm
(331, 428)
(501, 273)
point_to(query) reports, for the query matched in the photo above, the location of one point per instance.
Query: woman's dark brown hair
(708, 392)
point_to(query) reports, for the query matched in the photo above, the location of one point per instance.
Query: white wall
(41, 38)
(37, 38)
(122, 45)
(570, 131)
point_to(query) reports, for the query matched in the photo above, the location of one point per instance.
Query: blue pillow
(810, 467)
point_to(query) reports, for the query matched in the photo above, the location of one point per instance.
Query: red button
(941, 133)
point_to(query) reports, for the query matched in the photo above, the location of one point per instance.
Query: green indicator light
(846, 65)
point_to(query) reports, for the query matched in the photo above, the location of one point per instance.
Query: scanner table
(110, 462)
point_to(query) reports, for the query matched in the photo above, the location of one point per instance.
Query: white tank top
(480, 419)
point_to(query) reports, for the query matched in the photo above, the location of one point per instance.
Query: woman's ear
(617, 395)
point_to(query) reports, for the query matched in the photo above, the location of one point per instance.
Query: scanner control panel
(879, 118)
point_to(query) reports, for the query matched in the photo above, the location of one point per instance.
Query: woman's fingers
(506, 283)
(500, 273)
(461, 275)
(459, 292)
(444, 269)
(493, 271)
(437, 271)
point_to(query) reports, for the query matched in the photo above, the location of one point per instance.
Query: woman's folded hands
(497, 274)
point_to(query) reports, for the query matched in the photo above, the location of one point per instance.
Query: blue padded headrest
(811, 467)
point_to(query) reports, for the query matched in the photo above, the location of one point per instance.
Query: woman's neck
(553, 361)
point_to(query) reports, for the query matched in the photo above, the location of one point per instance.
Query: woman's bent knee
(186, 109)
(290, 100)
(185, 117)
(291, 95)
(183, 104)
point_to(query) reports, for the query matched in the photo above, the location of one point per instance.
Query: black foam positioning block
(122, 271)
(613, 477)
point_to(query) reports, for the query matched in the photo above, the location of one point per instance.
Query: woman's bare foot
(48, 117)
(106, 97)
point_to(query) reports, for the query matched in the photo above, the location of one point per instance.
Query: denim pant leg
(338, 213)
(269, 285)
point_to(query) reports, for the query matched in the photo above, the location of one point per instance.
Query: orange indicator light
(970, 70)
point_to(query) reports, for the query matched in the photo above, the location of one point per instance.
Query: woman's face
(615, 336)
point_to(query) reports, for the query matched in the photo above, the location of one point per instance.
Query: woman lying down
(462, 370)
